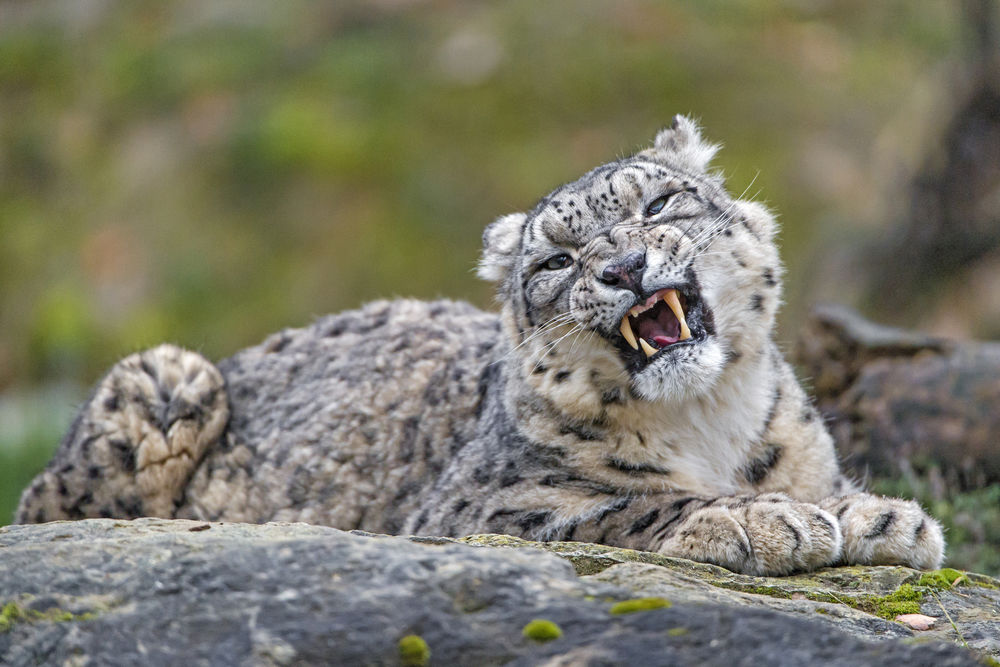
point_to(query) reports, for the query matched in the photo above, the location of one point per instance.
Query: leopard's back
(346, 422)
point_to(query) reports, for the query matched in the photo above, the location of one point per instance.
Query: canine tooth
(626, 330)
(675, 305)
(647, 348)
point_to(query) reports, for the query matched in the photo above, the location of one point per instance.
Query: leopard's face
(644, 267)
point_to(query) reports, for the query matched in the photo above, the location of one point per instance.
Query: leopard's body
(544, 421)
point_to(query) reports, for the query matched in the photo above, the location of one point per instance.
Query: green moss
(904, 600)
(890, 610)
(639, 604)
(588, 565)
(13, 613)
(677, 632)
(918, 640)
(983, 581)
(9, 615)
(906, 593)
(770, 591)
(413, 651)
(942, 579)
(542, 630)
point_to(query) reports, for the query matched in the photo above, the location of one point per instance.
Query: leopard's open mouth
(657, 323)
(666, 319)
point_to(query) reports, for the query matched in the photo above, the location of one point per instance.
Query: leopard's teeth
(626, 330)
(647, 348)
(670, 296)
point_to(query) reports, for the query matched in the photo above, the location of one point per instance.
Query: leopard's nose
(625, 272)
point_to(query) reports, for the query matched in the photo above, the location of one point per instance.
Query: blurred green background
(206, 172)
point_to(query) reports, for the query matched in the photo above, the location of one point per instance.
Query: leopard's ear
(681, 144)
(501, 244)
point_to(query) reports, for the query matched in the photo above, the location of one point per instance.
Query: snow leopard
(629, 392)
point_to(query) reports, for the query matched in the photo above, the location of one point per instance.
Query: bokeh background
(206, 172)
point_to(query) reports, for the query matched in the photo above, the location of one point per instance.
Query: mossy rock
(14, 612)
(322, 590)
(864, 600)
(587, 558)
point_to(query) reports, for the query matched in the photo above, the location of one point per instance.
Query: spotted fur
(541, 421)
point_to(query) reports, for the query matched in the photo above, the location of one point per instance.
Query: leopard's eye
(556, 262)
(657, 205)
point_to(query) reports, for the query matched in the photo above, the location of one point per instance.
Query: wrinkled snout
(625, 272)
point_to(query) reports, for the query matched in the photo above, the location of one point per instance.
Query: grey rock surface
(862, 601)
(158, 592)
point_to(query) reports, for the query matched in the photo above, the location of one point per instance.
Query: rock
(916, 621)
(154, 592)
(898, 401)
(861, 601)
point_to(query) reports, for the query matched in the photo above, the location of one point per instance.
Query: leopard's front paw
(887, 531)
(766, 535)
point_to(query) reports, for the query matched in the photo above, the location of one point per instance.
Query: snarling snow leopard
(628, 393)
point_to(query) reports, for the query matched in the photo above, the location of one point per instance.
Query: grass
(31, 426)
(209, 177)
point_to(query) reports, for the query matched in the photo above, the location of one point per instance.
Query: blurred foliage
(209, 172)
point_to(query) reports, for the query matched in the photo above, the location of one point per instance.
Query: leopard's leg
(133, 447)
(767, 534)
(886, 531)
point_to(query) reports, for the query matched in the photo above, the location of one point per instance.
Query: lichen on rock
(413, 651)
(14, 612)
(639, 604)
(541, 630)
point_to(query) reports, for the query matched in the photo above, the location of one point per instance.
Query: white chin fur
(681, 379)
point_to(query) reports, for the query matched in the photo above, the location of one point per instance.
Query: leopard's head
(645, 270)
